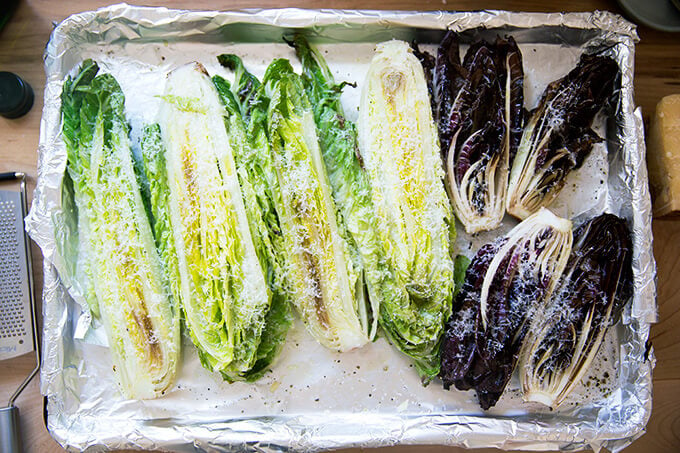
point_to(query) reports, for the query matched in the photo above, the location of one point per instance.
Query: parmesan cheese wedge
(663, 157)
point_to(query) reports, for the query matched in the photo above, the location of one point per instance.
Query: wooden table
(657, 73)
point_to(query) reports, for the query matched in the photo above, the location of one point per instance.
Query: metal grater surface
(15, 316)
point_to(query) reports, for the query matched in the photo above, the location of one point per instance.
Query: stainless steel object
(18, 326)
(314, 399)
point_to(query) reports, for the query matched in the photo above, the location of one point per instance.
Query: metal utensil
(18, 326)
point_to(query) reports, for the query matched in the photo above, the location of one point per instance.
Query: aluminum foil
(316, 399)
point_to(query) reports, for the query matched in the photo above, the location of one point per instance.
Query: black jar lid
(16, 96)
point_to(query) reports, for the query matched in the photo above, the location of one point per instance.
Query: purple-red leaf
(558, 136)
(478, 106)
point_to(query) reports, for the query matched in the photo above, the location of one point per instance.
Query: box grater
(18, 329)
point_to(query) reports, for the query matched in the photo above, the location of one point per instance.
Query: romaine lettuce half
(327, 286)
(349, 182)
(400, 151)
(125, 276)
(255, 169)
(219, 277)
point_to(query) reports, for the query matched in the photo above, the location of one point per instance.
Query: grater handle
(10, 437)
(8, 176)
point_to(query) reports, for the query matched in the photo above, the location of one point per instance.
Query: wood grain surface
(657, 73)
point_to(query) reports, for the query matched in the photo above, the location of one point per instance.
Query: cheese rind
(663, 156)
